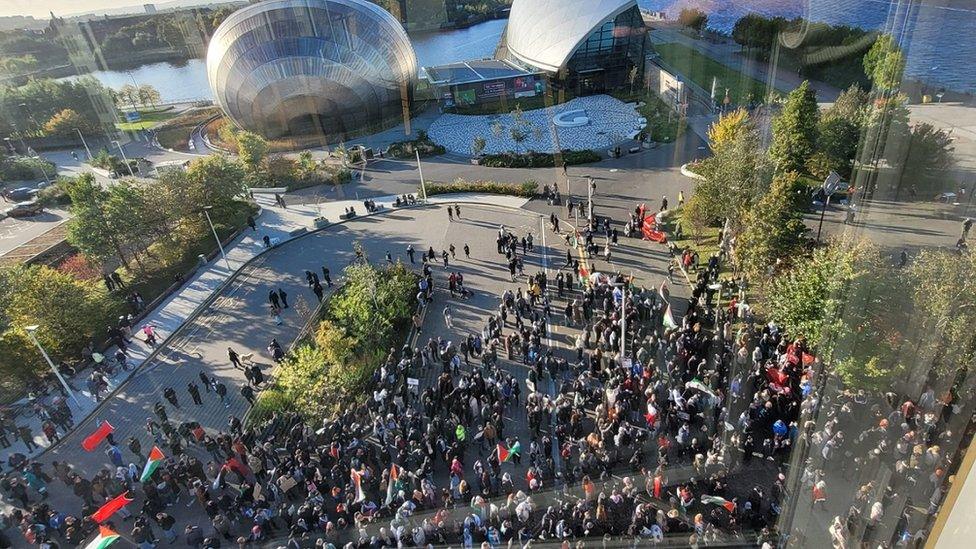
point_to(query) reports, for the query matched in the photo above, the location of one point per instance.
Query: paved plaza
(610, 121)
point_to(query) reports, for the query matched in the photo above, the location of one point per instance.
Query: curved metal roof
(546, 33)
(279, 60)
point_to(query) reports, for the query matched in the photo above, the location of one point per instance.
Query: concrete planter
(320, 222)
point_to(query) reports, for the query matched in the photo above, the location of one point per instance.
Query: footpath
(280, 225)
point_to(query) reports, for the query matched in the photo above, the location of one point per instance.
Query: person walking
(448, 319)
(221, 391)
(284, 298)
(410, 252)
(194, 391)
(326, 276)
(450, 214)
(452, 250)
(444, 256)
(389, 258)
(235, 358)
(170, 395)
(248, 393)
(273, 298)
(27, 437)
(251, 224)
(206, 380)
(319, 293)
(467, 251)
(457, 211)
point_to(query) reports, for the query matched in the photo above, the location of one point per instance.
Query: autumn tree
(774, 229)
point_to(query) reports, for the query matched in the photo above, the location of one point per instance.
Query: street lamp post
(85, 143)
(124, 159)
(206, 212)
(423, 184)
(589, 199)
(30, 333)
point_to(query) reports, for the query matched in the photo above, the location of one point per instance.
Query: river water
(938, 35)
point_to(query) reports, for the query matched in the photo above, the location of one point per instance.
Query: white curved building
(301, 67)
(592, 45)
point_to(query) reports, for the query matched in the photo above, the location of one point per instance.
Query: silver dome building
(305, 67)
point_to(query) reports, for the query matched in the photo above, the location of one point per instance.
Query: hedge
(534, 159)
(409, 149)
(526, 189)
(25, 168)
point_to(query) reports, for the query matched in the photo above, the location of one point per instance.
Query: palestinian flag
(394, 485)
(106, 536)
(357, 482)
(93, 440)
(668, 319)
(156, 457)
(505, 454)
(729, 505)
(663, 291)
(111, 506)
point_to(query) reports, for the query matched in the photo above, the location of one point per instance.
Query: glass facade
(608, 58)
(296, 67)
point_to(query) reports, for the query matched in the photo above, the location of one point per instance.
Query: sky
(41, 8)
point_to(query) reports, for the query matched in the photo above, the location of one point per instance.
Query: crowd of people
(634, 429)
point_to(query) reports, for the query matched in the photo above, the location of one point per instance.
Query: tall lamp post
(423, 184)
(206, 212)
(33, 337)
(124, 159)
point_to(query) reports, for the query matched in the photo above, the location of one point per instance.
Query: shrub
(80, 267)
(526, 189)
(408, 149)
(534, 159)
(25, 168)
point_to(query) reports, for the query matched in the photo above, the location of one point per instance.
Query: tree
(128, 95)
(69, 314)
(849, 305)
(478, 145)
(852, 104)
(729, 128)
(214, 181)
(884, 63)
(795, 130)
(65, 123)
(521, 128)
(693, 18)
(944, 310)
(735, 177)
(90, 228)
(929, 156)
(774, 229)
(251, 148)
(148, 95)
(837, 140)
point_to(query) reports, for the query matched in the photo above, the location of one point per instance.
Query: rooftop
(473, 71)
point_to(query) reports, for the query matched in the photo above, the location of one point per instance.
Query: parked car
(20, 194)
(29, 208)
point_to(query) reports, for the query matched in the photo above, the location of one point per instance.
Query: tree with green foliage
(884, 63)
(90, 228)
(215, 181)
(693, 18)
(837, 141)
(734, 178)
(69, 314)
(795, 130)
(774, 230)
(251, 148)
(848, 303)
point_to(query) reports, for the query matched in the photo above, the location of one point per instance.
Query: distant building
(150, 8)
(311, 67)
(587, 47)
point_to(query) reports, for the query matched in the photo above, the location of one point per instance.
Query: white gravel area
(611, 121)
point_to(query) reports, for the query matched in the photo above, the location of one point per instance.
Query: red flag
(110, 507)
(808, 359)
(93, 440)
(775, 375)
(657, 486)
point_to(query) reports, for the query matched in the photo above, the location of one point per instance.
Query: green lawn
(702, 70)
(149, 119)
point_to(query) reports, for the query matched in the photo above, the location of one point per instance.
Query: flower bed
(534, 159)
(526, 189)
